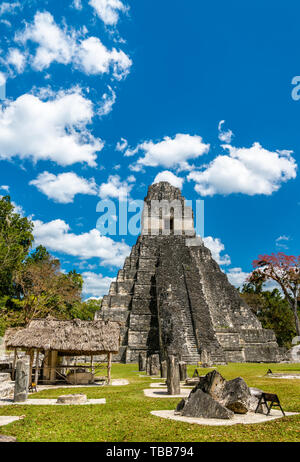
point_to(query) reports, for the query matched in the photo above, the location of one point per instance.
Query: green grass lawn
(126, 415)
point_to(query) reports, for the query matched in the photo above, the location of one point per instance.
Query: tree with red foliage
(283, 269)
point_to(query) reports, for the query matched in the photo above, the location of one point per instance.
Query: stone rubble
(216, 398)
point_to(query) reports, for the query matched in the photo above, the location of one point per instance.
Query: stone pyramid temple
(171, 297)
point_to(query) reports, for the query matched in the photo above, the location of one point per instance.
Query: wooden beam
(109, 355)
(36, 375)
(30, 366)
(53, 366)
(46, 370)
(14, 364)
(92, 367)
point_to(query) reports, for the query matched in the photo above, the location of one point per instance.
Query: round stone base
(7, 439)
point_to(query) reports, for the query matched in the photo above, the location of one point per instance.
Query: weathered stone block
(21, 382)
(154, 364)
(163, 369)
(173, 378)
(182, 371)
(142, 361)
(200, 404)
(237, 396)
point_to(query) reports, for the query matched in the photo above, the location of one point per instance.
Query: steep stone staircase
(193, 356)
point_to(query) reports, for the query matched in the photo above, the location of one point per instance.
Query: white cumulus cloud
(108, 100)
(224, 135)
(217, 247)
(54, 130)
(94, 58)
(116, 188)
(237, 277)
(96, 285)
(16, 59)
(168, 176)
(170, 152)
(251, 171)
(77, 4)
(67, 46)
(63, 188)
(2, 79)
(57, 237)
(121, 145)
(9, 7)
(108, 10)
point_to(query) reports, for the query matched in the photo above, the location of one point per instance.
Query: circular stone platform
(80, 398)
(6, 420)
(283, 376)
(7, 439)
(49, 402)
(246, 419)
(163, 385)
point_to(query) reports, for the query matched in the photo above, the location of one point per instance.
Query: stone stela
(171, 297)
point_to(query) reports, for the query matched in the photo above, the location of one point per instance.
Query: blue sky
(104, 95)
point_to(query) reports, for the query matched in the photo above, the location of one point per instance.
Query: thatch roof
(69, 337)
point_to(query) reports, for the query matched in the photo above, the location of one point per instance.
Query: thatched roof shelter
(73, 337)
(57, 338)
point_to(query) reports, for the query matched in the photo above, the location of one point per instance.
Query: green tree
(273, 311)
(44, 289)
(85, 310)
(15, 241)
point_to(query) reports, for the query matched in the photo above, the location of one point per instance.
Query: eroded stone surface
(213, 393)
(21, 382)
(200, 404)
(72, 399)
(237, 396)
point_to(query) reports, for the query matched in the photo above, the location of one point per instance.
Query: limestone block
(237, 396)
(144, 291)
(173, 378)
(163, 369)
(21, 382)
(213, 384)
(154, 364)
(80, 378)
(141, 322)
(182, 371)
(120, 301)
(144, 306)
(200, 404)
(142, 361)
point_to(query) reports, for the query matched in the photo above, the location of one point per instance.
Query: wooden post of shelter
(92, 367)
(13, 372)
(53, 366)
(31, 353)
(46, 366)
(109, 355)
(36, 375)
